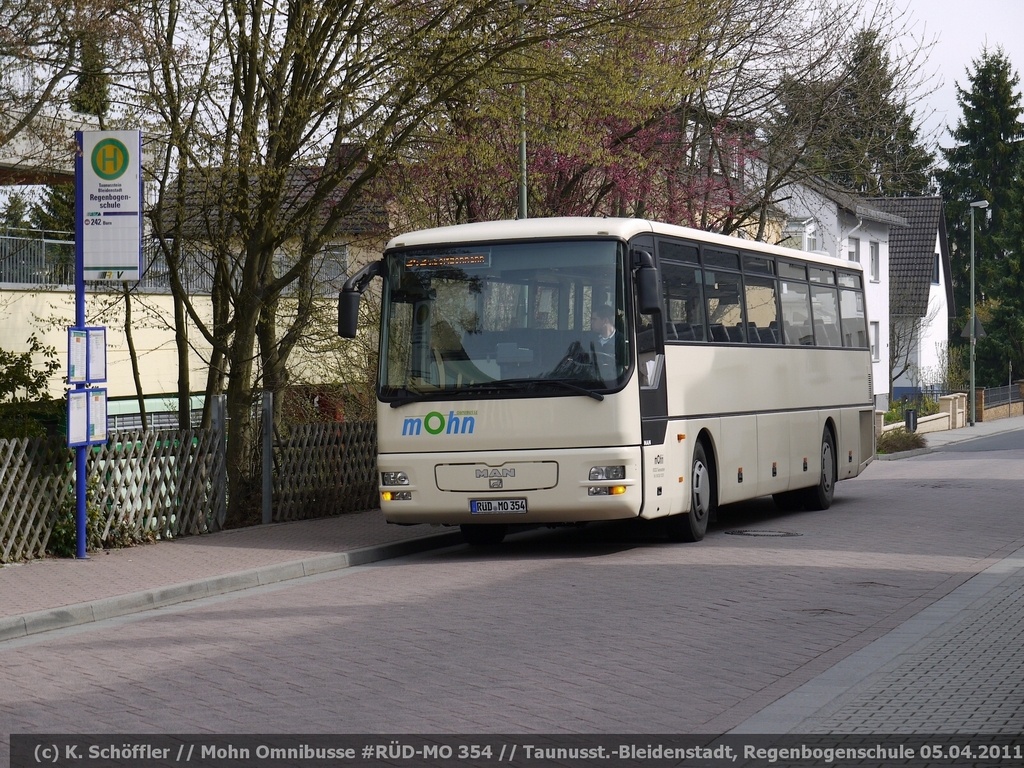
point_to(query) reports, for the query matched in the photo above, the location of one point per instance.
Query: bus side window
(762, 308)
(684, 302)
(796, 313)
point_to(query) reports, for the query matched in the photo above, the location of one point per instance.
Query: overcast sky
(962, 28)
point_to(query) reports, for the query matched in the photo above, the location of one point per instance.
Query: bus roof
(582, 226)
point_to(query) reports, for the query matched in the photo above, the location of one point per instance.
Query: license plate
(497, 506)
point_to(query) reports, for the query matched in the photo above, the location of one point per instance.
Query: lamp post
(522, 5)
(974, 402)
(522, 153)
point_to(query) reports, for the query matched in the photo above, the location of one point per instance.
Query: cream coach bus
(577, 369)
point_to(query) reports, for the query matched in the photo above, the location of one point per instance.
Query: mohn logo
(109, 159)
(436, 423)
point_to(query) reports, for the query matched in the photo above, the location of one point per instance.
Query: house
(37, 295)
(920, 294)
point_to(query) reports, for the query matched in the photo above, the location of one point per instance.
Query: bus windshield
(520, 319)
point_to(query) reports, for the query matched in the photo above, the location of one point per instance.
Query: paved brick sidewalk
(52, 593)
(955, 667)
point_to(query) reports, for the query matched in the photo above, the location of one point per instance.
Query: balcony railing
(47, 259)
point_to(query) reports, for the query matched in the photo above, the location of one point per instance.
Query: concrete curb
(13, 627)
(903, 454)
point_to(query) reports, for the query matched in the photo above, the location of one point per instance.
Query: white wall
(876, 292)
(47, 314)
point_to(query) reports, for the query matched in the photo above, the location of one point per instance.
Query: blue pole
(81, 515)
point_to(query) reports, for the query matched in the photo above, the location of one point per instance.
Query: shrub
(898, 440)
(925, 405)
(63, 541)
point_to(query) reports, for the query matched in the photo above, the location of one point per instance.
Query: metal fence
(37, 259)
(47, 259)
(1013, 393)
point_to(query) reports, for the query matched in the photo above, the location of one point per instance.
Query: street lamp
(974, 404)
(522, 5)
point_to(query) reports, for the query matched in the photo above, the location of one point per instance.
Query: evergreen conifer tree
(985, 164)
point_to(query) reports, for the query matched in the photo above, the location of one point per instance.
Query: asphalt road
(601, 629)
(1005, 441)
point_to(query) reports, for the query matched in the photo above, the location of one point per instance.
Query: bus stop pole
(81, 468)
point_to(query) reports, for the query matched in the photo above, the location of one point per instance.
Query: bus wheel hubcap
(701, 490)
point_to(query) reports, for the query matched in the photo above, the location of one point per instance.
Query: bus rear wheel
(483, 535)
(693, 525)
(820, 495)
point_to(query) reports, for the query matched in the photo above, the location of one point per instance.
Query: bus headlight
(606, 490)
(394, 478)
(617, 472)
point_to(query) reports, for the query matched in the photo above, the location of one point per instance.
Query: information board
(110, 204)
(87, 417)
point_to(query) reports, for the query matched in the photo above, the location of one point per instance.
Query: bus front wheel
(483, 535)
(693, 525)
(820, 496)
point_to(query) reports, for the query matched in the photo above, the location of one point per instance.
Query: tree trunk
(184, 383)
(242, 485)
(132, 353)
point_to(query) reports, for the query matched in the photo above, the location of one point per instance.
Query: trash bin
(910, 419)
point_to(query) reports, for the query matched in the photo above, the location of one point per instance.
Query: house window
(936, 270)
(874, 266)
(801, 235)
(854, 250)
(333, 269)
(874, 342)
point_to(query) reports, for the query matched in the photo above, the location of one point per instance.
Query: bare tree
(270, 123)
(699, 113)
(48, 53)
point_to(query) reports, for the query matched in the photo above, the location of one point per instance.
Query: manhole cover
(758, 532)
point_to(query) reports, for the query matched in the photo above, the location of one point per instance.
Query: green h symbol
(109, 159)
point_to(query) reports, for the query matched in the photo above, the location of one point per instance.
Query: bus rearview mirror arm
(348, 300)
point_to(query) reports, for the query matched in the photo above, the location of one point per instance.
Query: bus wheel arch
(819, 496)
(703, 489)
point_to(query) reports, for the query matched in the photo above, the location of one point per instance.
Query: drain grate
(760, 532)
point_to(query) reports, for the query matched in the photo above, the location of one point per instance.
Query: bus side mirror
(648, 292)
(348, 314)
(348, 300)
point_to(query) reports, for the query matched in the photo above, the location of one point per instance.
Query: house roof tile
(911, 252)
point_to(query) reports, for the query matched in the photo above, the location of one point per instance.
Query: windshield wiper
(576, 388)
(417, 397)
